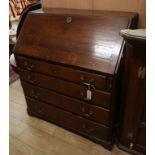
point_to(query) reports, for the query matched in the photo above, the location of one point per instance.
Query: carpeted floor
(12, 75)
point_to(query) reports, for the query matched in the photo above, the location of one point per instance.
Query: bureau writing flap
(84, 39)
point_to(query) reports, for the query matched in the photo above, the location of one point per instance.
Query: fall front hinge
(141, 72)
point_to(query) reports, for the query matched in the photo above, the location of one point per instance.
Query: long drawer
(68, 120)
(99, 98)
(98, 81)
(75, 106)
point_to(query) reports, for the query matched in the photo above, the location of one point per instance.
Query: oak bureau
(68, 61)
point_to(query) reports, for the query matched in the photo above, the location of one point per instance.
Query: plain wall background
(138, 6)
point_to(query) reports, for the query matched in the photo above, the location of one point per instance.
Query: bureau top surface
(80, 38)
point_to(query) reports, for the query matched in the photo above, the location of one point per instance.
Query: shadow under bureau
(68, 62)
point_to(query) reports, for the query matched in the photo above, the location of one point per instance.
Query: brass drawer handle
(29, 66)
(92, 81)
(90, 84)
(54, 71)
(25, 63)
(35, 94)
(32, 79)
(87, 114)
(39, 110)
(87, 129)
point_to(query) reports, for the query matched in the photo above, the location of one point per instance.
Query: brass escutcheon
(68, 19)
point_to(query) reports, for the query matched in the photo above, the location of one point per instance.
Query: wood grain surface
(96, 47)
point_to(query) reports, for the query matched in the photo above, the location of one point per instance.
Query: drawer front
(88, 111)
(67, 88)
(68, 120)
(98, 81)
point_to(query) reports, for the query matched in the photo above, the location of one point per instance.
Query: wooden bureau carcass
(132, 130)
(68, 61)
